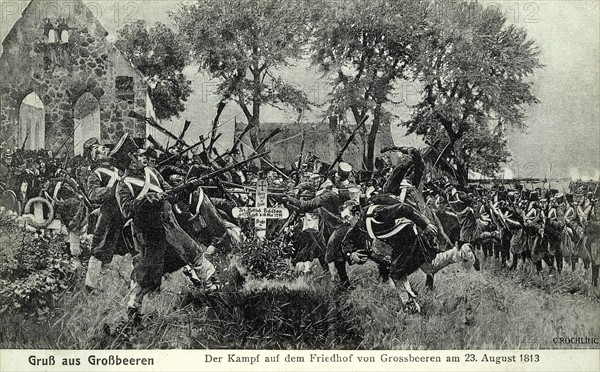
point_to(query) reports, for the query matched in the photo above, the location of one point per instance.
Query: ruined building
(62, 82)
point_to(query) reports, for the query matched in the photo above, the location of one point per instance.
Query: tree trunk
(255, 125)
(256, 102)
(358, 115)
(369, 158)
(462, 172)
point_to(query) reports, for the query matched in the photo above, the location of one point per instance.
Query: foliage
(268, 259)
(309, 314)
(242, 43)
(34, 269)
(475, 72)
(365, 47)
(161, 55)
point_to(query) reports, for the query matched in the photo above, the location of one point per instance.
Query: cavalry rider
(162, 246)
(107, 226)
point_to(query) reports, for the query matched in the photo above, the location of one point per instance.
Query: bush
(267, 259)
(34, 268)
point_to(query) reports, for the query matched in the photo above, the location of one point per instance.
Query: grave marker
(260, 212)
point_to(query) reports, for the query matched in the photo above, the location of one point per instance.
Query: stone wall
(61, 71)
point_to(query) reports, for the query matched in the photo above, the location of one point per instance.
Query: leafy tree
(242, 43)
(366, 46)
(475, 74)
(161, 55)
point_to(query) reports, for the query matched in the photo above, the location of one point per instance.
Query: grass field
(489, 309)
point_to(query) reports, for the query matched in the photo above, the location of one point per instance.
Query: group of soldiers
(172, 211)
(539, 225)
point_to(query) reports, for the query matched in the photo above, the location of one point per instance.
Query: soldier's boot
(74, 244)
(340, 267)
(134, 305)
(191, 274)
(559, 261)
(538, 266)
(586, 264)
(204, 271)
(93, 274)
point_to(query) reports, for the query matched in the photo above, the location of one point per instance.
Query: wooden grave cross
(261, 212)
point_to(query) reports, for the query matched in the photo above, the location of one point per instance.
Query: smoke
(508, 173)
(577, 174)
(574, 172)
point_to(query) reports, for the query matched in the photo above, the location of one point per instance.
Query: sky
(562, 138)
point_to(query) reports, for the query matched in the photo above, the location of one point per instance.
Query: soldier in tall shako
(106, 222)
(161, 245)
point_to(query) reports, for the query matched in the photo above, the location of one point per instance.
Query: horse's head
(468, 257)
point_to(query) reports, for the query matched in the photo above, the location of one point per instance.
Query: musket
(67, 139)
(186, 126)
(66, 159)
(441, 154)
(270, 191)
(8, 139)
(348, 142)
(154, 124)
(238, 139)
(195, 182)
(220, 107)
(77, 187)
(265, 160)
(189, 148)
(262, 144)
(154, 142)
(297, 181)
(24, 142)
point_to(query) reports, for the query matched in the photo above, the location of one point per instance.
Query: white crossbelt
(113, 174)
(401, 223)
(146, 185)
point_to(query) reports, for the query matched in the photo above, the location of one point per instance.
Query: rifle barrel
(198, 180)
(348, 141)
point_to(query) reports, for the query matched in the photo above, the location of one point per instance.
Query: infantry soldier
(107, 229)
(555, 226)
(160, 243)
(410, 168)
(324, 210)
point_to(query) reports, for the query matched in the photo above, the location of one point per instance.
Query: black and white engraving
(300, 175)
